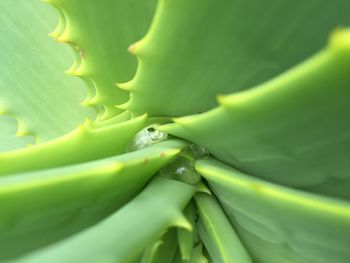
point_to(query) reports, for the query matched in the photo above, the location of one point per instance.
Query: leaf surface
(293, 130)
(100, 32)
(8, 140)
(33, 87)
(217, 234)
(86, 143)
(197, 49)
(62, 201)
(124, 235)
(197, 256)
(279, 224)
(162, 250)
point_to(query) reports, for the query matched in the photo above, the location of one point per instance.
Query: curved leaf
(33, 87)
(199, 48)
(188, 239)
(293, 130)
(81, 145)
(124, 235)
(278, 224)
(217, 234)
(197, 256)
(100, 33)
(8, 141)
(39, 208)
(162, 250)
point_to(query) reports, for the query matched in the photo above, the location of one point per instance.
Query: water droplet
(180, 170)
(198, 151)
(146, 137)
(188, 175)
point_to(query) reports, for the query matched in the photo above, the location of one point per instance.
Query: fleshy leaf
(162, 250)
(33, 87)
(100, 32)
(188, 239)
(197, 49)
(123, 236)
(197, 256)
(278, 224)
(81, 145)
(39, 208)
(217, 234)
(8, 141)
(293, 130)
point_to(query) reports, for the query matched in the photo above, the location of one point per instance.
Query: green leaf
(123, 236)
(217, 234)
(33, 87)
(187, 239)
(84, 144)
(197, 256)
(8, 141)
(162, 250)
(62, 201)
(293, 130)
(100, 32)
(199, 48)
(278, 224)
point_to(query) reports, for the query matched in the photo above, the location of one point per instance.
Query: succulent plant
(131, 158)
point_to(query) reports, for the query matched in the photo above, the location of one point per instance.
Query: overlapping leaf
(286, 130)
(162, 250)
(197, 49)
(61, 201)
(293, 130)
(100, 32)
(217, 234)
(123, 236)
(33, 87)
(277, 224)
(8, 141)
(86, 143)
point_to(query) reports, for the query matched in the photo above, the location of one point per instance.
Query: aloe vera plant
(184, 131)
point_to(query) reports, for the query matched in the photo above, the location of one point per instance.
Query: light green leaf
(162, 250)
(100, 32)
(278, 224)
(293, 130)
(199, 48)
(33, 87)
(188, 239)
(8, 141)
(217, 234)
(123, 236)
(84, 144)
(39, 208)
(197, 256)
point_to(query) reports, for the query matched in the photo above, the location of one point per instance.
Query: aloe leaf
(188, 239)
(162, 250)
(292, 130)
(124, 116)
(33, 87)
(100, 32)
(279, 224)
(195, 50)
(123, 236)
(62, 201)
(217, 234)
(81, 145)
(8, 141)
(197, 256)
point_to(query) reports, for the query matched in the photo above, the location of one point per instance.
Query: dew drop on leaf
(146, 137)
